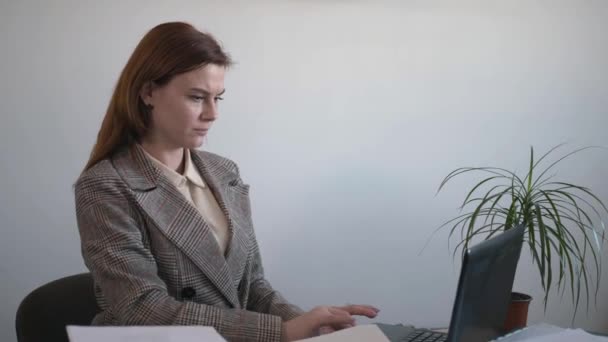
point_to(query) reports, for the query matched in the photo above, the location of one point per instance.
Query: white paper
(360, 333)
(144, 334)
(570, 335)
(551, 333)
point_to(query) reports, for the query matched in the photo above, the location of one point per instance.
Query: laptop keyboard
(425, 335)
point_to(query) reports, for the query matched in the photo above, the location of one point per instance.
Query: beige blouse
(192, 186)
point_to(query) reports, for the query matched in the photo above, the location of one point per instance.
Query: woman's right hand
(308, 324)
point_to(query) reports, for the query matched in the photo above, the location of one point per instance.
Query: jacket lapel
(177, 219)
(226, 187)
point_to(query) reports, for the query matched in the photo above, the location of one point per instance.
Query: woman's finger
(337, 317)
(362, 310)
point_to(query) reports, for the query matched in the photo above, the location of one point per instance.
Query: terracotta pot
(517, 315)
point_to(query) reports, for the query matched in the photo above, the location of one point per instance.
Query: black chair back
(45, 312)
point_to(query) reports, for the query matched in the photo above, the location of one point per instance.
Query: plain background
(344, 117)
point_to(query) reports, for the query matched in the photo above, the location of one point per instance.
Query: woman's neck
(173, 158)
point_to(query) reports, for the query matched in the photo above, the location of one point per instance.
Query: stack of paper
(360, 333)
(546, 332)
(144, 334)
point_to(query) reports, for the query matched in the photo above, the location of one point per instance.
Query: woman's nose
(210, 112)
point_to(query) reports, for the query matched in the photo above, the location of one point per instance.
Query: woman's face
(185, 108)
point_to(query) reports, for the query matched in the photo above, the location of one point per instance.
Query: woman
(166, 229)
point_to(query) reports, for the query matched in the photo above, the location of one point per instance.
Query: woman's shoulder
(217, 161)
(99, 178)
(101, 171)
(112, 170)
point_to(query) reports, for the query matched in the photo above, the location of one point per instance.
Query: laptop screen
(484, 287)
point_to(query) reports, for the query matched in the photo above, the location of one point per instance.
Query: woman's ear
(146, 93)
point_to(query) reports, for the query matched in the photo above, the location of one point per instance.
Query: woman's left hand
(355, 310)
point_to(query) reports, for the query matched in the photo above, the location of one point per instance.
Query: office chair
(45, 312)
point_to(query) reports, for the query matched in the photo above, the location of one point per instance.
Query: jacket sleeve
(263, 298)
(125, 270)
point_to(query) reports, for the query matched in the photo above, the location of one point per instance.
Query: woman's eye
(197, 98)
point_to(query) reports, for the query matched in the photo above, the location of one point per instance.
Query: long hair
(167, 50)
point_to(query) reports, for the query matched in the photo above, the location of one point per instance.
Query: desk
(397, 332)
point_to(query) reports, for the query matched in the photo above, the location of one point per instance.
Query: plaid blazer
(154, 258)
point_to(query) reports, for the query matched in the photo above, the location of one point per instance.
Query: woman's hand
(326, 319)
(359, 310)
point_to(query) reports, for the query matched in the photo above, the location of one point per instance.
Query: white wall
(344, 117)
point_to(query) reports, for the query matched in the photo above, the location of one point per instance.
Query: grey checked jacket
(154, 258)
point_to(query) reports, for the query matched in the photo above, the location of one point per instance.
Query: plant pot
(517, 314)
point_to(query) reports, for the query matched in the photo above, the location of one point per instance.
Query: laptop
(483, 294)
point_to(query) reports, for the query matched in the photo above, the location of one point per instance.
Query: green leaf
(496, 200)
(562, 158)
(566, 255)
(477, 186)
(585, 190)
(545, 251)
(547, 153)
(536, 260)
(531, 169)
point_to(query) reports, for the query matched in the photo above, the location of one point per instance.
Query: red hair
(165, 51)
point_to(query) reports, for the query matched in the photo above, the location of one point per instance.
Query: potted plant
(565, 227)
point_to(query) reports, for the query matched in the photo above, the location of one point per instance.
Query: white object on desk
(360, 333)
(143, 334)
(550, 333)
